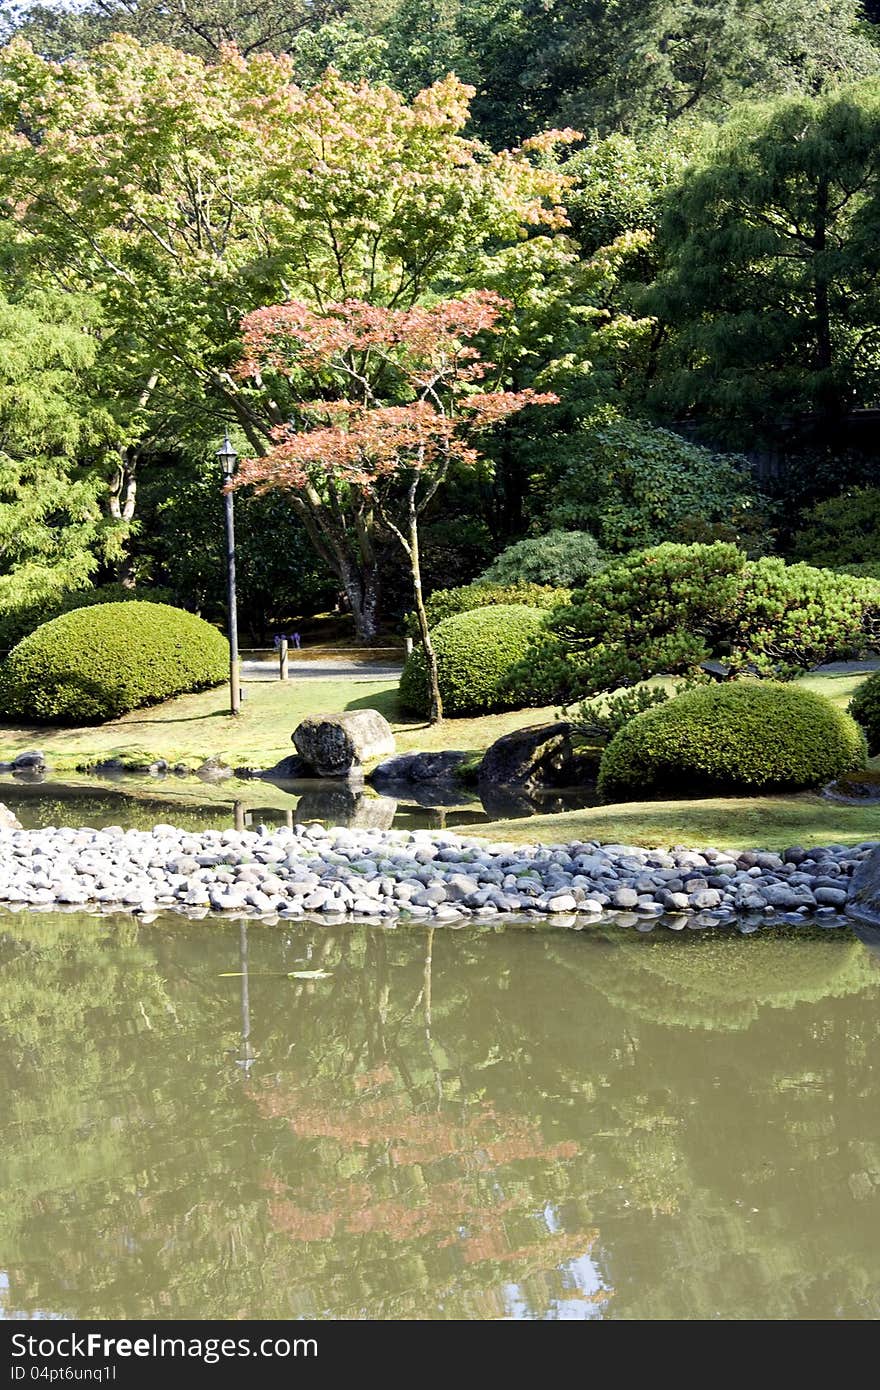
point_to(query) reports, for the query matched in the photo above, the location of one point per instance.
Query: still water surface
(480, 1123)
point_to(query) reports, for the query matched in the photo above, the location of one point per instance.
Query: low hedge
(738, 737)
(475, 653)
(865, 710)
(97, 663)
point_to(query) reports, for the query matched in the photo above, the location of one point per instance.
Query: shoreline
(435, 876)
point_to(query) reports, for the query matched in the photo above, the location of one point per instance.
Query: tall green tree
(629, 65)
(772, 247)
(184, 194)
(56, 447)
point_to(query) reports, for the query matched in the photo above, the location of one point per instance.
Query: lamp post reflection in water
(247, 1056)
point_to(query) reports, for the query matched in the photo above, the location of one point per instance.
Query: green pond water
(187, 803)
(479, 1123)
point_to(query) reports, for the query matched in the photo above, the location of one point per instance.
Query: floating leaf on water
(309, 974)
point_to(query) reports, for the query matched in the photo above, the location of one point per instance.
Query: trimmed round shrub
(445, 603)
(16, 622)
(865, 710)
(97, 663)
(563, 558)
(737, 737)
(475, 652)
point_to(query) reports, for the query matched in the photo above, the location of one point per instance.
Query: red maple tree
(386, 401)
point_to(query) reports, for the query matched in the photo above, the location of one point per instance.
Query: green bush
(633, 485)
(869, 569)
(668, 609)
(600, 720)
(16, 622)
(475, 652)
(865, 709)
(565, 559)
(842, 529)
(658, 611)
(738, 737)
(97, 663)
(792, 617)
(445, 603)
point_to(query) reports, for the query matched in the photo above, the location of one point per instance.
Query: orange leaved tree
(387, 400)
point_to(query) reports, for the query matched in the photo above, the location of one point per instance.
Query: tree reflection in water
(470, 1123)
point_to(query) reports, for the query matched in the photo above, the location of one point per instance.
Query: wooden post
(408, 646)
(283, 659)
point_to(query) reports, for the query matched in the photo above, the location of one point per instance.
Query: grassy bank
(767, 822)
(194, 727)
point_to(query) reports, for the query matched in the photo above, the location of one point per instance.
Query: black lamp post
(228, 459)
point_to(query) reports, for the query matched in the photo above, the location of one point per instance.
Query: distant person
(295, 639)
(280, 637)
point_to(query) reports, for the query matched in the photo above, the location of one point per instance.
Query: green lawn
(194, 727)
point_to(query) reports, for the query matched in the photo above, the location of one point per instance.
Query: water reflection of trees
(451, 1124)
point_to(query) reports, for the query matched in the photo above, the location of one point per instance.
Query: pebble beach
(438, 876)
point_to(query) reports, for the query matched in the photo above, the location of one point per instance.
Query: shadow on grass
(386, 702)
(131, 723)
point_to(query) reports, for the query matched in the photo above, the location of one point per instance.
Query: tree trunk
(356, 567)
(362, 592)
(436, 715)
(121, 501)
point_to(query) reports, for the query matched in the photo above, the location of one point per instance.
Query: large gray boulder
(542, 755)
(863, 898)
(418, 769)
(336, 745)
(290, 769)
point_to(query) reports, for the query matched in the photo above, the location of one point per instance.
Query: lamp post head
(228, 458)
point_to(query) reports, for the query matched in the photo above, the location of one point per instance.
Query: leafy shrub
(842, 529)
(668, 609)
(792, 617)
(561, 558)
(16, 622)
(736, 737)
(548, 672)
(870, 569)
(661, 610)
(602, 719)
(445, 603)
(865, 709)
(97, 663)
(475, 651)
(633, 485)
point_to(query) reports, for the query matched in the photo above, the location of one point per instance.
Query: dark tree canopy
(772, 247)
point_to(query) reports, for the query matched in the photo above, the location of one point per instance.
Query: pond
(130, 800)
(476, 1123)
